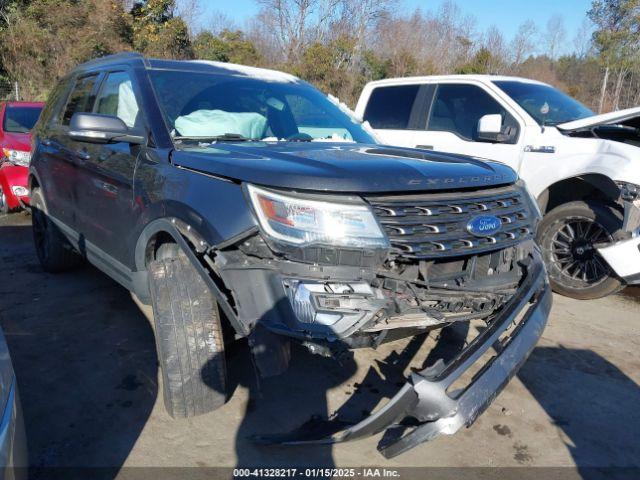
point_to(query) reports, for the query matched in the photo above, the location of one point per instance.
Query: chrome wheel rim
(574, 253)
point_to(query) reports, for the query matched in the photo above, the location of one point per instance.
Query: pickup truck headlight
(303, 221)
(629, 192)
(18, 157)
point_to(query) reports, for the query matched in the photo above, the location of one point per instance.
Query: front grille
(435, 225)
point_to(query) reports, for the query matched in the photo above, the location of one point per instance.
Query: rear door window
(81, 98)
(394, 107)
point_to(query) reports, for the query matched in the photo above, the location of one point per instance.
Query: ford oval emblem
(484, 225)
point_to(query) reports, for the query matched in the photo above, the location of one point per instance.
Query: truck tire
(566, 235)
(53, 249)
(188, 337)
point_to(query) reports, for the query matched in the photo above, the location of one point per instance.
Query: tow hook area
(433, 402)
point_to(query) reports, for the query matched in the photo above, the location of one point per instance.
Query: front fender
(173, 227)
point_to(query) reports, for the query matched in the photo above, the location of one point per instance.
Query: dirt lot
(85, 360)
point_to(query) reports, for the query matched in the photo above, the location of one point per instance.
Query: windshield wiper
(227, 137)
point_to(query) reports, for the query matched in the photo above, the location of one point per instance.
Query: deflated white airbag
(212, 123)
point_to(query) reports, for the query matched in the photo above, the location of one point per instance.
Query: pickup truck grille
(427, 226)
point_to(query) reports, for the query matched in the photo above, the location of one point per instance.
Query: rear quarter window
(391, 107)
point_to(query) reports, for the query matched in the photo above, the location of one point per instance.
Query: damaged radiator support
(428, 293)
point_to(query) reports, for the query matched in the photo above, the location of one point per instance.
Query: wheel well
(154, 244)
(584, 187)
(33, 182)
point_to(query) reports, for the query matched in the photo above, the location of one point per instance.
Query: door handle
(425, 147)
(83, 155)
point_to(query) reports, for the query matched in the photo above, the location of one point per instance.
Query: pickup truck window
(81, 98)
(233, 107)
(458, 107)
(391, 107)
(547, 105)
(116, 98)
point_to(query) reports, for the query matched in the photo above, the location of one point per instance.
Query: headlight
(19, 191)
(304, 221)
(18, 157)
(629, 191)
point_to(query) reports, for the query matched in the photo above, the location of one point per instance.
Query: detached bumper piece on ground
(425, 408)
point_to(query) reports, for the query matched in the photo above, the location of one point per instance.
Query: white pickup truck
(583, 168)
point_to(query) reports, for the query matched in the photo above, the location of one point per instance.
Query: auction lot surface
(85, 360)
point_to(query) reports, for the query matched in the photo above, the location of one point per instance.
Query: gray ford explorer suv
(242, 202)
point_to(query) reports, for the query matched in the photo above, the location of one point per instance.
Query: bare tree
(494, 43)
(190, 11)
(554, 36)
(219, 21)
(523, 43)
(582, 41)
(290, 22)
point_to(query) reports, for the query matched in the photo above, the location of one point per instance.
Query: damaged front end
(423, 266)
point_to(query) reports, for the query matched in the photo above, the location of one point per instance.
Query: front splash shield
(424, 403)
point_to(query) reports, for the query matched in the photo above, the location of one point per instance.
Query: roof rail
(112, 58)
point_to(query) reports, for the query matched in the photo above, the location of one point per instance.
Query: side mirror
(489, 128)
(99, 128)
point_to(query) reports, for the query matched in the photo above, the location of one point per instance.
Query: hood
(629, 117)
(342, 167)
(16, 141)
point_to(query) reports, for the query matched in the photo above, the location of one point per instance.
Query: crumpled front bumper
(425, 398)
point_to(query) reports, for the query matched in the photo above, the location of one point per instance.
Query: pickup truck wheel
(54, 251)
(568, 235)
(188, 337)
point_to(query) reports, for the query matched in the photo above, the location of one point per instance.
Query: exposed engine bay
(617, 133)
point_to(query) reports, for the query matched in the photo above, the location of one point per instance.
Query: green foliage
(618, 27)
(479, 64)
(229, 46)
(157, 32)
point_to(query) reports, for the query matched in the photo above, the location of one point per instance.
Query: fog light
(320, 302)
(19, 191)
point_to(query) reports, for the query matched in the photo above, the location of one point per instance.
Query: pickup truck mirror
(490, 129)
(99, 128)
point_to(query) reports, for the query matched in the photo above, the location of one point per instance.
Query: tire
(575, 268)
(54, 251)
(4, 207)
(188, 337)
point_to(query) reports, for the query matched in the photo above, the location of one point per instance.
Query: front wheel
(188, 335)
(568, 236)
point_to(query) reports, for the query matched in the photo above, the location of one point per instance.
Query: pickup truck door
(452, 122)
(397, 112)
(106, 205)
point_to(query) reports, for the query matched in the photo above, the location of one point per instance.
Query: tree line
(338, 45)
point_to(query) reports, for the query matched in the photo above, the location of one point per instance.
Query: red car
(18, 118)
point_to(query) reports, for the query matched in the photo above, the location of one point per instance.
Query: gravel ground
(85, 360)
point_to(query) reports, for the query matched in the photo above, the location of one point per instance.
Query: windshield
(20, 119)
(547, 105)
(234, 108)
